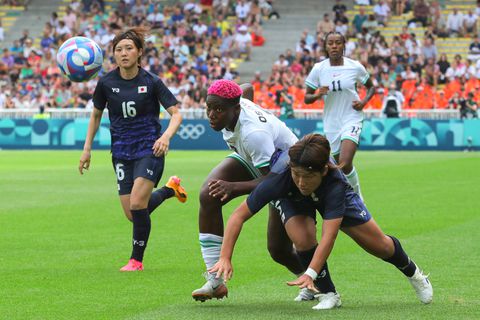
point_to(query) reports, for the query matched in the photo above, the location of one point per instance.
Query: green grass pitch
(63, 238)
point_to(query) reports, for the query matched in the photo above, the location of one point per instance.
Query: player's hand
(220, 189)
(160, 147)
(322, 91)
(358, 105)
(222, 267)
(304, 281)
(84, 161)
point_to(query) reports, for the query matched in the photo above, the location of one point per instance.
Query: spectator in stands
(156, 18)
(455, 23)
(281, 63)
(440, 102)
(421, 12)
(339, 8)
(432, 72)
(456, 102)
(392, 103)
(382, 12)
(443, 66)
(470, 22)
(341, 28)
(358, 21)
(370, 25)
(401, 6)
(7, 59)
(325, 25)
(242, 9)
(242, 43)
(429, 49)
(469, 108)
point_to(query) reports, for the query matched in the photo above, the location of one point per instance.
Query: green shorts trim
(251, 169)
(349, 138)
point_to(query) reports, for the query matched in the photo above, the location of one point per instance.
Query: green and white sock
(211, 245)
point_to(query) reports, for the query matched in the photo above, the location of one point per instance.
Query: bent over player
(304, 181)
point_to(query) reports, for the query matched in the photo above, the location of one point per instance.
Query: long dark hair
(137, 35)
(312, 153)
(344, 41)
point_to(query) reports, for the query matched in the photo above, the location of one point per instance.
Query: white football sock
(352, 178)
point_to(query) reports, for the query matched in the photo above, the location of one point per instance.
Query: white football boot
(213, 288)
(422, 286)
(328, 301)
(305, 294)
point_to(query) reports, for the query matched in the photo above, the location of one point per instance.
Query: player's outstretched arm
(93, 126)
(160, 147)
(234, 227)
(330, 230)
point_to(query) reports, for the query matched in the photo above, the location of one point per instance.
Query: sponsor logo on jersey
(116, 90)
(336, 75)
(150, 172)
(142, 89)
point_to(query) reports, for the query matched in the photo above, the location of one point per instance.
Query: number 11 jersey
(342, 91)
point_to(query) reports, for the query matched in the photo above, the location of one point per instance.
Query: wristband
(311, 273)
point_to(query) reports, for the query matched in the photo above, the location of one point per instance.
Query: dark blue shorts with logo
(148, 167)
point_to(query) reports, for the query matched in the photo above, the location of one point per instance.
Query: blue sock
(323, 282)
(141, 231)
(158, 196)
(401, 260)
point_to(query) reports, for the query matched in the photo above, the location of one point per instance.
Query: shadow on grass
(285, 310)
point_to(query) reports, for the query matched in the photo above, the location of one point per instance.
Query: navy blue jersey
(133, 108)
(334, 198)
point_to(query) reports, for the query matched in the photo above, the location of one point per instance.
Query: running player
(132, 97)
(304, 181)
(254, 135)
(336, 79)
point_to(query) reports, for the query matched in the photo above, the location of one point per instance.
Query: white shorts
(350, 131)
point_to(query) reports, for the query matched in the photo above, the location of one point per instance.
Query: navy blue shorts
(288, 208)
(148, 167)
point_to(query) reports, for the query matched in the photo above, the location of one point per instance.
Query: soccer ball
(80, 59)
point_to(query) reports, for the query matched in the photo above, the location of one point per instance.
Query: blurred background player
(254, 135)
(336, 80)
(132, 97)
(306, 180)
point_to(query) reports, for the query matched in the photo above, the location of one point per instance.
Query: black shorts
(148, 167)
(288, 208)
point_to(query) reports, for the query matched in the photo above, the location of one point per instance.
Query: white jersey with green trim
(258, 134)
(342, 91)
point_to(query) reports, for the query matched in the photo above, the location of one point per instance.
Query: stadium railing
(52, 113)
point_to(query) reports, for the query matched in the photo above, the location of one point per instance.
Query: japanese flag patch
(142, 89)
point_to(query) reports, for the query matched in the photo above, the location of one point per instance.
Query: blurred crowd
(197, 41)
(190, 45)
(407, 69)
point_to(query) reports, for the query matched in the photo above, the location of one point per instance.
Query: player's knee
(137, 204)
(205, 198)
(278, 253)
(386, 248)
(305, 244)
